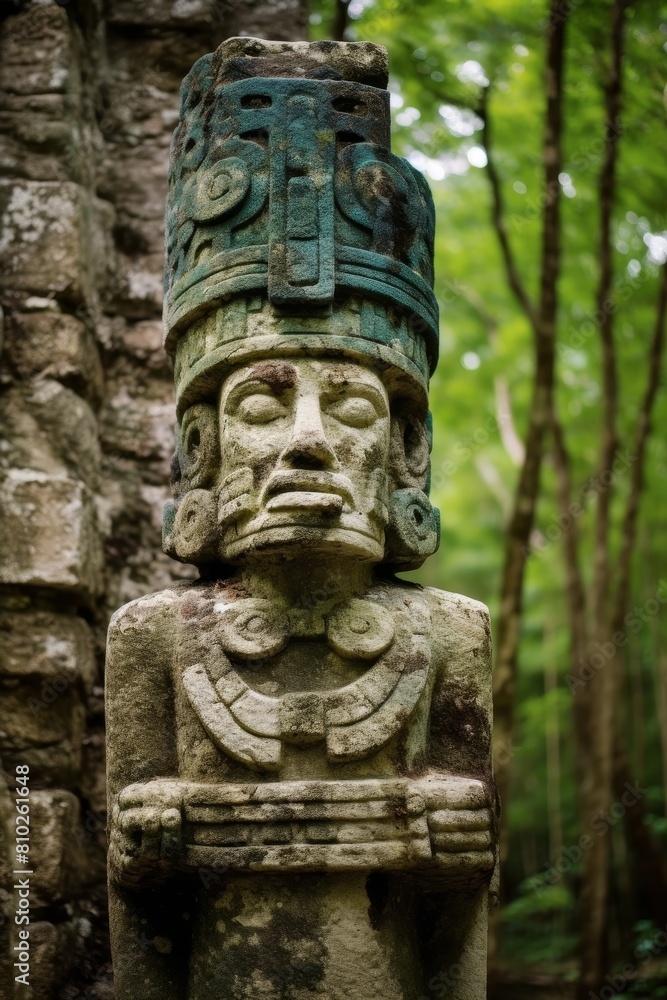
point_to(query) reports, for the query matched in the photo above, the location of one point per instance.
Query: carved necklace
(355, 721)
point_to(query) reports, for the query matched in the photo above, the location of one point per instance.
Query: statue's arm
(142, 763)
(461, 802)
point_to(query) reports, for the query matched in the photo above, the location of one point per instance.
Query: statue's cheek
(361, 449)
(248, 445)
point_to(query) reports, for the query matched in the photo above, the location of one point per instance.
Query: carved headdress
(289, 197)
(291, 227)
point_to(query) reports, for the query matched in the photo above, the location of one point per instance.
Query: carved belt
(307, 825)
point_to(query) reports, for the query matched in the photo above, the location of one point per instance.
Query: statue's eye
(260, 409)
(356, 411)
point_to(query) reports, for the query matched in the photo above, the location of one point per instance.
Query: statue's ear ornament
(413, 532)
(204, 511)
(198, 446)
(189, 523)
(193, 536)
(409, 450)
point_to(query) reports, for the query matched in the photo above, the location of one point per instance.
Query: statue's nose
(308, 447)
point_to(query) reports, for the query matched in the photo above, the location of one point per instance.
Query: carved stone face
(304, 459)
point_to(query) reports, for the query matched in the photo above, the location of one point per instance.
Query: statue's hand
(146, 831)
(461, 824)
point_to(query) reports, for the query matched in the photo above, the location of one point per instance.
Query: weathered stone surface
(51, 240)
(54, 950)
(56, 345)
(47, 645)
(281, 19)
(50, 430)
(41, 125)
(42, 725)
(49, 534)
(42, 247)
(91, 104)
(320, 731)
(164, 13)
(36, 51)
(285, 20)
(55, 818)
(137, 419)
(134, 510)
(141, 344)
(138, 123)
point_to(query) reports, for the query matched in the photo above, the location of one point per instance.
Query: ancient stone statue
(301, 795)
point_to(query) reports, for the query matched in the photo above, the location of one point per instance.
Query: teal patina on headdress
(285, 202)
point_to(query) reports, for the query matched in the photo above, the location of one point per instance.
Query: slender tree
(542, 319)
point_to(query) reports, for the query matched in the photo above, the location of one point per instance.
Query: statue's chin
(306, 538)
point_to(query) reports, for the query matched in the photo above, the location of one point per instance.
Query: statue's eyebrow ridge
(279, 375)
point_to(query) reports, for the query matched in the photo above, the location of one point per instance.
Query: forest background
(542, 131)
(540, 125)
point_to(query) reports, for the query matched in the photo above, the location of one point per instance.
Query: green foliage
(446, 57)
(535, 927)
(649, 964)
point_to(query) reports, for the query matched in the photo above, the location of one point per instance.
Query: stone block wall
(88, 101)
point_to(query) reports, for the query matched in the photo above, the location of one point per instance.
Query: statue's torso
(314, 737)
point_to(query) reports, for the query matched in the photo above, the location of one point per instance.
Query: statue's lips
(324, 503)
(323, 492)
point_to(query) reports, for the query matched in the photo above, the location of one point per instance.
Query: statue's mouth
(321, 492)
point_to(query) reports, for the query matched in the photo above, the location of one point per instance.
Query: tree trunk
(650, 870)
(601, 692)
(660, 684)
(544, 331)
(552, 736)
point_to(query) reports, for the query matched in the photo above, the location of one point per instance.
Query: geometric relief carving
(391, 824)
(355, 721)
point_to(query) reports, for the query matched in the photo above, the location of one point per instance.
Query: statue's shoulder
(188, 603)
(459, 627)
(457, 622)
(461, 638)
(451, 610)
(152, 612)
(458, 612)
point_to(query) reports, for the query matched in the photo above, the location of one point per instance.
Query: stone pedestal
(306, 935)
